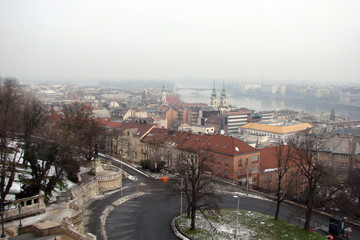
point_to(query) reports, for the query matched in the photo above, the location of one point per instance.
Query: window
(255, 158)
(240, 162)
(268, 178)
(239, 172)
(227, 161)
(254, 169)
(226, 172)
(219, 160)
(219, 171)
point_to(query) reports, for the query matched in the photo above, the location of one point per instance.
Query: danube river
(266, 104)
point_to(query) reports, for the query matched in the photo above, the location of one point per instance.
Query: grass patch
(251, 226)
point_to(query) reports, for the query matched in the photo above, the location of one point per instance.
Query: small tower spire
(223, 98)
(163, 95)
(213, 98)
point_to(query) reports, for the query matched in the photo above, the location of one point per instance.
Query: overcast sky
(312, 40)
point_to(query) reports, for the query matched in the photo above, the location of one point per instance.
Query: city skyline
(313, 41)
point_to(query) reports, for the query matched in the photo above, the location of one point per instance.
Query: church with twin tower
(223, 99)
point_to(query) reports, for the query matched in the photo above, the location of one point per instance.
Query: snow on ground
(223, 228)
(133, 178)
(241, 194)
(249, 225)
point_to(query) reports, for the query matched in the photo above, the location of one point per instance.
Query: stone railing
(69, 231)
(71, 226)
(66, 228)
(109, 181)
(77, 218)
(85, 192)
(108, 177)
(28, 207)
(111, 167)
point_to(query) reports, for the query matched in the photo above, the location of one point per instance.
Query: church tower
(213, 98)
(223, 98)
(163, 95)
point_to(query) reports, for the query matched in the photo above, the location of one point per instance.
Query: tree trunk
(309, 208)
(188, 211)
(278, 202)
(193, 212)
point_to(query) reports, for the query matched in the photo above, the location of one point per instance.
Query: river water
(266, 104)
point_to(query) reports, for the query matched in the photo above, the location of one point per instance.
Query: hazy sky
(314, 40)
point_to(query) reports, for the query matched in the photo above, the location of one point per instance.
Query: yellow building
(278, 133)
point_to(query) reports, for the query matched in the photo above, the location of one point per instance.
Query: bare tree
(44, 158)
(198, 183)
(34, 116)
(79, 128)
(353, 183)
(284, 155)
(310, 169)
(9, 158)
(157, 151)
(10, 112)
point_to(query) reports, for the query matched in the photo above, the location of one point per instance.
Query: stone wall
(69, 231)
(71, 226)
(28, 207)
(85, 192)
(110, 182)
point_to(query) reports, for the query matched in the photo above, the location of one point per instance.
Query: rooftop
(277, 129)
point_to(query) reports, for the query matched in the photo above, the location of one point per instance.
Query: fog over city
(90, 41)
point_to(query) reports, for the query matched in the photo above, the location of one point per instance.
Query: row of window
(263, 134)
(219, 160)
(245, 160)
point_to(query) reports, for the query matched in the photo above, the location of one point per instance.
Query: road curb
(108, 209)
(176, 230)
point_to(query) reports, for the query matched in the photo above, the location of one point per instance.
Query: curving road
(149, 216)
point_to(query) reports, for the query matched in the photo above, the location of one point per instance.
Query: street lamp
(181, 198)
(237, 215)
(2, 211)
(19, 207)
(247, 176)
(121, 190)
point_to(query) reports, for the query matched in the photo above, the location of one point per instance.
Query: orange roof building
(230, 157)
(277, 133)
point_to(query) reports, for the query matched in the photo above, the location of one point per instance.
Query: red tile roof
(186, 141)
(139, 129)
(228, 145)
(108, 123)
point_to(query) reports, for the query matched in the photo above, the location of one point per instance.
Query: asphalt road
(149, 216)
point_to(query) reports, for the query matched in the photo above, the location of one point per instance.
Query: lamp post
(19, 207)
(2, 211)
(237, 215)
(121, 192)
(247, 176)
(181, 198)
